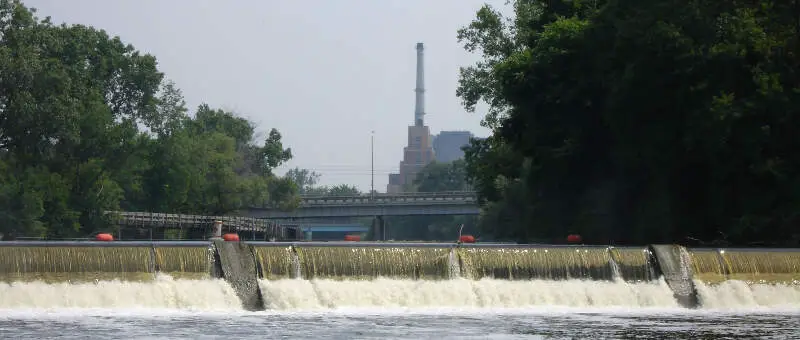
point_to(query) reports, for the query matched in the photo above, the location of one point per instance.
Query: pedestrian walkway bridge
(149, 220)
(404, 204)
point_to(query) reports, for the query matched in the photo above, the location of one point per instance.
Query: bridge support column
(383, 227)
(378, 228)
(217, 233)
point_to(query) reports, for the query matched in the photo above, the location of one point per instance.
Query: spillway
(374, 262)
(92, 261)
(545, 262)
(286, 275)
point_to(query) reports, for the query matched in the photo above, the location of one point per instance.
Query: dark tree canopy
(638, 121)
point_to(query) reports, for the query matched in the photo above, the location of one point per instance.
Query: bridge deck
(405, 204)
(402, 198)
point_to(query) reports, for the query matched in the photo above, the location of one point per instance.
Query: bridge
(264, 221)
(161, 221)
(403, 204)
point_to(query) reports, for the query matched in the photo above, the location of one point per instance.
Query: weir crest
(243, 264)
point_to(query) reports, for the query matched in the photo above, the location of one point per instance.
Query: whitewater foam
(735, 294)
(163, 292)
(209, 295)
(486, 293)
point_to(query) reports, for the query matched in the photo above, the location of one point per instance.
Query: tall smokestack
(419, 107)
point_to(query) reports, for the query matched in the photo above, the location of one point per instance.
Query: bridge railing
(150, 219)
(416, 197)
(427, 193)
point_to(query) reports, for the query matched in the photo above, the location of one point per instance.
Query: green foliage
(306, 182)
(342, 190)
(637, 122)
(438, 177)
(88, 125)
(273, 154)
(304, 179)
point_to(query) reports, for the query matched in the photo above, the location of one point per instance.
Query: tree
(273, 154)
(283, 193)
(639, 122)
(343, 190)
(71, 98)
(304, 179)
(335, 190)
(438, 177)
(211, 167)
(88, 125)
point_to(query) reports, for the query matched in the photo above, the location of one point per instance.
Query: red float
(231, 237)
(574, 238)
(104, 237)
(466, 239)
(352, 237)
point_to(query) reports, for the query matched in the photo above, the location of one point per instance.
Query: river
(396, 309)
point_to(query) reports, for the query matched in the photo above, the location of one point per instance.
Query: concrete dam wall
(243, 265)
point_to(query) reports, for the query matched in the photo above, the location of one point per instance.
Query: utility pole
(372, 170)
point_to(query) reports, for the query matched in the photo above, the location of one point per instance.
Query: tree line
(634, 122)
(88, 124)
(625, 122)
(306, 181)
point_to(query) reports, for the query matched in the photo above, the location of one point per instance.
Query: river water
(396, 309)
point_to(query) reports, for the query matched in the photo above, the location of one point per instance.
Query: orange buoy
(574, 238)
(104, 237)
(466, 239)
(352, 237)
(231, 237)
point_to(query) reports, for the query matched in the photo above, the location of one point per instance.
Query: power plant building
(448, 144)
(419, 150)
(422, 148)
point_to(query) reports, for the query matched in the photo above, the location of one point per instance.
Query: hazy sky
(324, 73)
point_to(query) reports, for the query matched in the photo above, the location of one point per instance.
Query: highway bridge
(403, 204)
(274, 223)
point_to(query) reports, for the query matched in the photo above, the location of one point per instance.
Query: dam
(318, 275)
